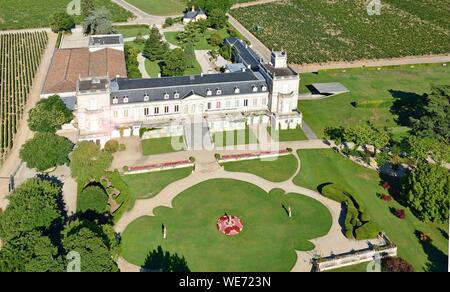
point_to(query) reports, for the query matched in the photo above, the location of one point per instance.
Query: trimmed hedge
(93, 199)
(357, 223)
(373, 103)
(112, 146)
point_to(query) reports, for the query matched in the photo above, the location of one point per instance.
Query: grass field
(202, 44)
(234, 138)
(320, 31)
(16, 14)
(278, 170)
(400, 84)
(160, 145)
(326, 166)
(148, 185)
(287, 135)
(267, 243)
(160, 7)
(129, 31)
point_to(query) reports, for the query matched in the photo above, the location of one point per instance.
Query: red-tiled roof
(70, 64)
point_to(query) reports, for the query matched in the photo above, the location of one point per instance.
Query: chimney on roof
(159, 75)
(193, 8)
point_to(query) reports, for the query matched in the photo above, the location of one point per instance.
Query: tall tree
(49, 115)
(34, 205)
(421, 149)
(30, 252)
(174, 64)
(189, 53)
(155, 49)
(427, 192)
(88, 161)
(46, 150)
(87, 6)
(217, 18)
(94, 246)
(434, 120)
(98, 23)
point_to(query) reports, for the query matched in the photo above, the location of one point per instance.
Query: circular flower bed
(230, 225)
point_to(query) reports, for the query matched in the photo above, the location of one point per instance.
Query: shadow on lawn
(437, 260)
(160, 261)
(406, 105)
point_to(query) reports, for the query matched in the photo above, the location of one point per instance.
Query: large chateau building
(248, 92)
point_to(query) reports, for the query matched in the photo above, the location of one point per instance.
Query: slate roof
(68, 65)
(185, 86)
(193, 14)
(248, 56)
(106, 40)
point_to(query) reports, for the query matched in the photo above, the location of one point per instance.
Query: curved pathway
(141, 60)
(334, 242)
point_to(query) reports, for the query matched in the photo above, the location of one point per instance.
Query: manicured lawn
(129, 31)
(325, 166)
(160, 145)
(267, 243)
(202, 44)
(278, 170)
(152, 68)
(396, 83)
(234, 138)
(287, 135)
(16, 14)
(148, 185)
(160, 7)
(358, 268)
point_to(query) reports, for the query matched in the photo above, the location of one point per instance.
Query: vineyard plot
(20, 56)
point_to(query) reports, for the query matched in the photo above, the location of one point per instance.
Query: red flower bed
(386, 198)
(400, 213)
(230, 225)
(159, 165)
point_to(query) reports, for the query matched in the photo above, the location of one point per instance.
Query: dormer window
(264, 88)
(146, 98)
(255, 88)
(166, 95)
(208, 92)
(218, 91)
(125, 99)
(237, 90)
(115, 100)
(176, 95)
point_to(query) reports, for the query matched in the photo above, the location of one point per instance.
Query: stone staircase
(197, 136)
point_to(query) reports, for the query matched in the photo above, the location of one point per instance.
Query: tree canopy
(427, 192)
(433, 120)
(49, 115)
(155, 48)
(33, 205)
(175, 63)
(61, 22)
(217, 18)
(46, 150)
(88, 161)
(98, 22)
(93, 244)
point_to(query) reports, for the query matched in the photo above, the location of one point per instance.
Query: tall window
(245, 102)
(255, 102)
(166, 109)
(209, 106)
(146, 111)
(125, 113)
(218, 105)
(177, 108)
(156, 110)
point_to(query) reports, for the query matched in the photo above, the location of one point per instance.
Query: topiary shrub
(367, 231)
(93, 199)
(112, 146)
(126, 168)
(396, 264)
(334, 193)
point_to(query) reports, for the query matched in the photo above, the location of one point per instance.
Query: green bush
(373, 103)
(334, 193)
(112, 146)
(93, 198)
(122, 147)
(369, 230)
